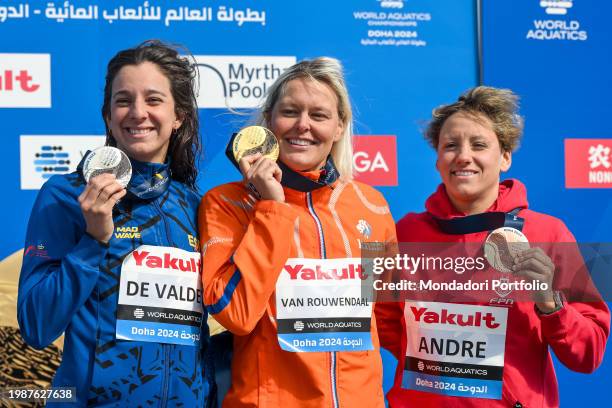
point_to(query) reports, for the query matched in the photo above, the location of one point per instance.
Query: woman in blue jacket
(117, 270)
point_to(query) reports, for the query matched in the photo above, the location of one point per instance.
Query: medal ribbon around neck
(137, 184)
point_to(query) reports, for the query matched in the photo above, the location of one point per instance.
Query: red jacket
(577, 333)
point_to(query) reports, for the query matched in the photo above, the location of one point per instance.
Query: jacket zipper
(165, 347)
(332, 371)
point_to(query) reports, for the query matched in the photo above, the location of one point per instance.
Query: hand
(97, 202)
(534, 265)
(264, 175)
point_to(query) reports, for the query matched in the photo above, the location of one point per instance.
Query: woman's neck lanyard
(488, 221)
(296, 181)
(143, 186)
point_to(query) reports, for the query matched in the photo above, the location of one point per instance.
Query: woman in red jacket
(511, 366)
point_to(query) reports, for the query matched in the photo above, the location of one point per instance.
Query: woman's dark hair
(184, 145)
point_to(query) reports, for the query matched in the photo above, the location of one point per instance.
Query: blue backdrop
(402, 58)
(558, 60)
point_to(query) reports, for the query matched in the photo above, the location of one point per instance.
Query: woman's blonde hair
(328, 71)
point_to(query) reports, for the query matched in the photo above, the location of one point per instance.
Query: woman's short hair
(499, 106)
(328, 71)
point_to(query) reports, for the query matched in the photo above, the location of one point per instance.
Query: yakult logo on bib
(444, 316)
(300, 272)
(166, 260)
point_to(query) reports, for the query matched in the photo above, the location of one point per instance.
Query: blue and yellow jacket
(70, 284)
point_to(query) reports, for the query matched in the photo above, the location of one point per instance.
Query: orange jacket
(245, 244)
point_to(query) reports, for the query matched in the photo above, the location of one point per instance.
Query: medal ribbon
(296, 181)
(480, 222)
(149, 180)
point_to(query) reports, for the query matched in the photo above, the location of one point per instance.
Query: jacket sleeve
(577, 334)
(60, 266)
(389, 321)
(243, 252)
(390, 315)
(579, 331)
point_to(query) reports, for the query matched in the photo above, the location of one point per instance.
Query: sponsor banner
(319, 295)
(158, 314)
(471, 338)
(43, 156)
(375, 160)
(453, 387)
(555, 22)
(144, 13)
(323, 325)
(588, 163)
(391, 23)
(164, 284)
(158, 332)
(237, 81)
(316, 342)
(25, 81)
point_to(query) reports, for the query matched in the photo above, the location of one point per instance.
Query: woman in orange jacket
(281, 257)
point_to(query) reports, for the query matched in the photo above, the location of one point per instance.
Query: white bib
(320, 306)
(454, 349)
(160, 296)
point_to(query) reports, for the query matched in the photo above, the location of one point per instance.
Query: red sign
(588, 163)
(375, 160)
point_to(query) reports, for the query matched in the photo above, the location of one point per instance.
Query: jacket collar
(310, 180)
(512, 194)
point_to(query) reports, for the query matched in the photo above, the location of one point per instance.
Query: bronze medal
(502, 245)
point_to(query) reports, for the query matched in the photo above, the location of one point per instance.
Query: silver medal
(108, 159)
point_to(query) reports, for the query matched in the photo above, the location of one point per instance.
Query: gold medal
(502, 245)
(255, 139)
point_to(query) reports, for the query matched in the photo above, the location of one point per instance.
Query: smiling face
(470, 161)
(306, 123)
(142, 112)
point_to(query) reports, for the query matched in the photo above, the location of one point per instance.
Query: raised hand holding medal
(107, 159)
(507, 250)
(107, 171)
(255, 150)
(502, 246)
(255, 139)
